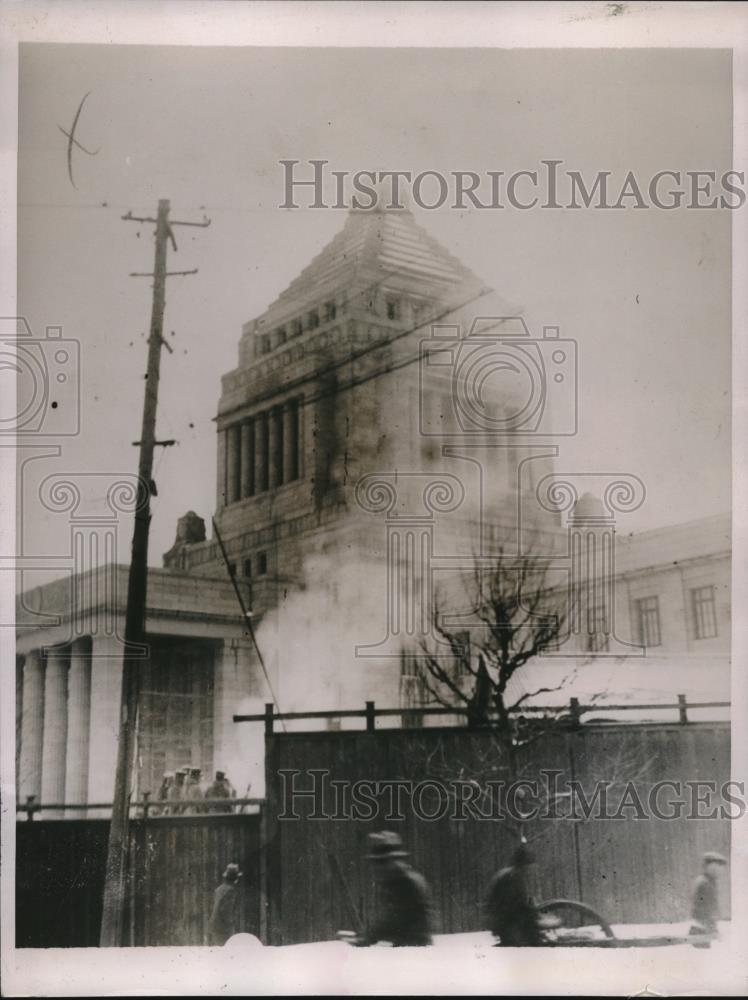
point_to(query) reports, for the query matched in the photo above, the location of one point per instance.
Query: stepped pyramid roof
(379, 248)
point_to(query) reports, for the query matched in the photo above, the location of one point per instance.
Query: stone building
(388, 419)
(664, 632)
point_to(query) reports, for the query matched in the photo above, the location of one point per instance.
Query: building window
(262, 563)
(232, 569)
(248, 568)
(330, 311)
(280, 336)
(296, 328)
(462, 654)
(648, 619)
(263, 343)
(393, 309)
(704, 612)
(312, 320)
(413, 691)
(597, 638)
(408, 665)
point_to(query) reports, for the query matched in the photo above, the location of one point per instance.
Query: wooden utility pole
(112, 921)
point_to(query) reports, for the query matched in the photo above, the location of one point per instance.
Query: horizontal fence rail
(572, 712)
(147, 808)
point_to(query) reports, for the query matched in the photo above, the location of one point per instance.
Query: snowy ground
(457, 964)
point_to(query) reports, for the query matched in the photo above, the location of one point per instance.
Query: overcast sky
(646, 294)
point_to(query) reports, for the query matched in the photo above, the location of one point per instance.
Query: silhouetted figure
(193, 793)
(480, 702)
(221, 789)
(705, 899)
(510, 911)
(224, 918)
(405, 916)
(162, 796)
(175, 796)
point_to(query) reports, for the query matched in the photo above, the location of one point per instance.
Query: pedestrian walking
(224, 917)
(510, 911)
(705, 898)
(405, 917)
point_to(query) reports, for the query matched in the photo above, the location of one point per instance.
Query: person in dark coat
(705, 898)
(405, 916)
(510, 910)
(163, 795)
(175, 794)
(221, 789)
(193, 793)
(224, 918)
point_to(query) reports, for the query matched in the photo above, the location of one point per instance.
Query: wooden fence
(633, 870)
(305, 878)
(178, 862)
(575, 712)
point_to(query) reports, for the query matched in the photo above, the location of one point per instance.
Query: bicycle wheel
(574, 923)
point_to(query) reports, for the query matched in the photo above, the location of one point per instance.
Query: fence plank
(179, 862)
(632, 870)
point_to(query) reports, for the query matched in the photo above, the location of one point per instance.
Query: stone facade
(71, 673)
(350, 486)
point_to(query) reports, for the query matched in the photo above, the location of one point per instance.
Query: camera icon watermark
(497, 380)
(46, 372)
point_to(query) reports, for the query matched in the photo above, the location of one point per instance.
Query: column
(19, 716)
(275, 447)
(233, 457)
(32, 727)
(55, 728)
(261, 453)
(106, 693)
(290, 441)
(79, 722)
(221, 495)
(247, 446)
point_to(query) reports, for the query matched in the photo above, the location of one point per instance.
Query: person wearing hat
(193, 793)
(163, 794)
(224, 917)
(705, 898)
(220, 789)
(405, 916)
(510, 911)
(176, 793)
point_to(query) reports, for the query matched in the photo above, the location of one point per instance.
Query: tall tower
(312, 404)
(328, 390)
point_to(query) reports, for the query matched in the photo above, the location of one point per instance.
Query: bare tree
(518, 612)
(519, 609)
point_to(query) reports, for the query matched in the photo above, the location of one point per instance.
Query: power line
(378, 373)
(246, 615)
